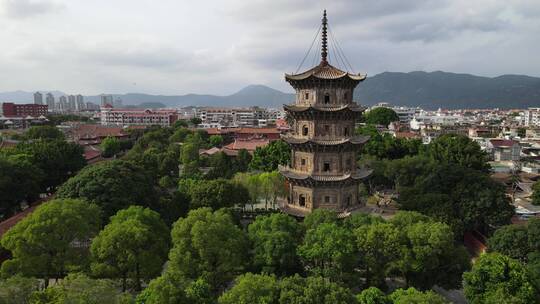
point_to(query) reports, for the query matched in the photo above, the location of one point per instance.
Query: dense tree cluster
(42, 161)
(447, 179)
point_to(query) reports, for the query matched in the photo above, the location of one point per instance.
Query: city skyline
(183, 47)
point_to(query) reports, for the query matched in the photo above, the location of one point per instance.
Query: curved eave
(356, 140)
(289, 174)
(345, 76)
(347, 107)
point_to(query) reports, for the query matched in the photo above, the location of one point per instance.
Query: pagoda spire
(324, 48)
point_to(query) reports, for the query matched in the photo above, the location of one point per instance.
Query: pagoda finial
(324, 50)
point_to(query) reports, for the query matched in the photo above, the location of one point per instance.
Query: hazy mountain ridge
(427, 90)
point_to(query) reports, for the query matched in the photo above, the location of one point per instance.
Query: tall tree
(110, 146)
(252, 289)
(458, 150)
(58, 158)
(173, 288)
(512, 241)
(78, 288)
(329, 251)
(44, 132)
(17, 289)
(134, 244)
(411, 295)
(381, 116)
(112, 185)
(275, 240)
(372, 295)
(269, 157)
(42, 244)
(20, 180)
(496, 276)
(219, 193)
(378, 245)
(313, 290)
(428, 256)
(209, 245)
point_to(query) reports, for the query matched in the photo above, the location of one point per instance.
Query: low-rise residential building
(504, 149)
(129, 117)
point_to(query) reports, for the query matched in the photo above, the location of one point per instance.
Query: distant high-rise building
(62, 105)
(50, 101)
(532, 117)
(38, 98)
(80, 102)
(72, 104)
(106, 100)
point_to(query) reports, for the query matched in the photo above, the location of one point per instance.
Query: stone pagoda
(322, 172)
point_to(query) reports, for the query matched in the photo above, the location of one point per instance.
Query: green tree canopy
(112, 185)
(57, 158)
(330, 251)
(215, 140)
(372, 295)
(318, 217)
(386, 146)
(252, 289)
(20, 180)
(110, 146)
(173, 288)
(464, 198)
(428, 255)
(536, 193)
(134, 244)
(512, 241)
(217, 194)
(78, 288)
(380, 116)
(209, 245)
(42, 243)
(411, 295)
(379, 245)
(44, 132)
(458, 150)
(275, 239)
(496, 276)
(269, 157)
(313, 290)
(17, 289)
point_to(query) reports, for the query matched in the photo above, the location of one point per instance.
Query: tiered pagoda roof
(325, 71)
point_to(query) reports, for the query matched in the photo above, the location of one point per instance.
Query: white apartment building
(532, 117)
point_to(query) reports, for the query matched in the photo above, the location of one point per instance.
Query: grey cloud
(28, 8)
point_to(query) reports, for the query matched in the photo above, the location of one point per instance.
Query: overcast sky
(218, 47)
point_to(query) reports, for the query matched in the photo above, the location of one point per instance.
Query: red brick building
(23, 110)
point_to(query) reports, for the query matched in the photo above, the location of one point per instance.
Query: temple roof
(355, 140)
(289, 173)
(324, 71)
(297, 108)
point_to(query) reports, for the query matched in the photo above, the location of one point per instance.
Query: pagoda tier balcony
(325, 140)
(354, 107)
(305, 178)
(320, 112)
